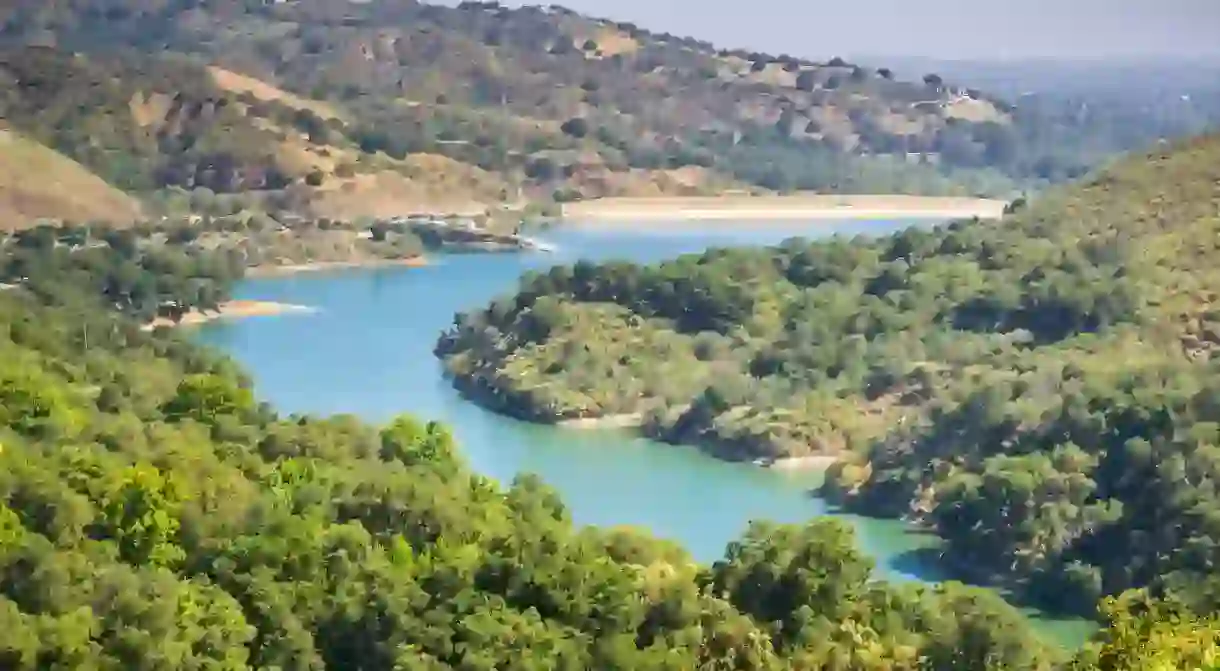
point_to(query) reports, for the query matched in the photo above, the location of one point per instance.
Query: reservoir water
(367, 351)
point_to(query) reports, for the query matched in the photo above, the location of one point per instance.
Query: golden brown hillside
(510, 90)
(39, 183)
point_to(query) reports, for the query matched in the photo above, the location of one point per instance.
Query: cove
(367, 351)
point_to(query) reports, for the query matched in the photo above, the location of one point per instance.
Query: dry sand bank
(628, 421)
(816, 462)
(802, 207)
(321, 266)
(229, 310)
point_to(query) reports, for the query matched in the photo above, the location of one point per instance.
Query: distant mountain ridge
(481, 105)
(563, 103)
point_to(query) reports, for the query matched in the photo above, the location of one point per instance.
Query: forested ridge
(374, 108)
(1039, 390)
(155, 515)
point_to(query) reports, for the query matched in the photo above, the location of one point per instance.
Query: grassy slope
(38, 183)
(119, 109)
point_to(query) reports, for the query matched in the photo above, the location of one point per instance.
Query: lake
(367, 351)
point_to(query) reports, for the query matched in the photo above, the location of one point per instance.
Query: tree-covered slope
(154, 515)
(1039, 388)
(37, 182)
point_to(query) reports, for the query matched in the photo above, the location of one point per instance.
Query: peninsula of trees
(1040, 389)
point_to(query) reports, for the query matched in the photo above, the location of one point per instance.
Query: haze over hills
(349, 109)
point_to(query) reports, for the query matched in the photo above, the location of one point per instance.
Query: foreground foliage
(153, 515)
(1041, 390)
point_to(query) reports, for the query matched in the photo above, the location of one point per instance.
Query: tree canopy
(1039, 390)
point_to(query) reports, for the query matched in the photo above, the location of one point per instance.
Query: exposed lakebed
(366, 350)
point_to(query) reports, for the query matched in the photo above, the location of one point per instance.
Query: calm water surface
(368, 351)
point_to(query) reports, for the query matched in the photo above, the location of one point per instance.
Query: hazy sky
(948, 29)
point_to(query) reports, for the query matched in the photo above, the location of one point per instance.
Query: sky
(938, 29)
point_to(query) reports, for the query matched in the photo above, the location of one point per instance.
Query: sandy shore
(230, 310)
(815, 462)
(796, 207)
(628, 421)
(321, 266)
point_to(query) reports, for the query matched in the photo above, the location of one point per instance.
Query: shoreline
(796, 207)
(811, 462)
(625, 421)
(272, 270)
(635, 421)
(236, 309)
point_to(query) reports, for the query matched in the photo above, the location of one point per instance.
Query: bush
(566, 195)
(576, 127)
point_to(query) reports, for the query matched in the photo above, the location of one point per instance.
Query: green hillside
(155, 516)
(1038, 389)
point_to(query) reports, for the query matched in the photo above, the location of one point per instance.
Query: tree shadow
(924, 563)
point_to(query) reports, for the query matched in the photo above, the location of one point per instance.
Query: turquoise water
(368, 351)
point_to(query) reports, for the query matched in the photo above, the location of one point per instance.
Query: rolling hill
(345, 109)
(37, 183)
(1039, 389)
(535, 104)
(157, 126)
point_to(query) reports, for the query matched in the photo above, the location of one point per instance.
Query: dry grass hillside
(507, 89)
(238, 83)
(39, 183)
(361, 108)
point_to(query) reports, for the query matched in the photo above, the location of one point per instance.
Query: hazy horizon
(1085, 30)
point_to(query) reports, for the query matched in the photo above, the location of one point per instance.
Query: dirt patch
(974, 111)
(611, 42)
(229, 310)
(628, 421)
(151, 110)
(323, 266)
(389, 193)
(797, 207)
(37, 182)
(239, 83)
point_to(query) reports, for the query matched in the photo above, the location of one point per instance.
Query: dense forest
(154, 515)
(328, 106)
(1040, 390)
